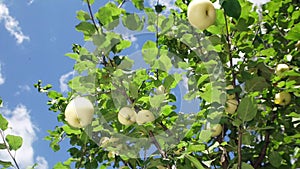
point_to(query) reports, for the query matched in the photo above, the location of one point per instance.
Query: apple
(298, 45)
(144, 116)
(282, 98)
(231, 106)
(216, 130)
(126, 116)
(79, 112)
(230, 96)
(201, 14)
(160, 90)
(280, 68)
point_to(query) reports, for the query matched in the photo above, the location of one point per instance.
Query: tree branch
(263, 151)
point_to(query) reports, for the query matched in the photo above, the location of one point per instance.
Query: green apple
(231, 106)
(144, 116)
(201, 14)
(216, 130)
(79, 112)
(126, 116)
(280, 68)
(282, 98)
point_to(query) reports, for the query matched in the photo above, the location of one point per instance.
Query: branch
(92, 16)
(122, 3)
(7, 148)
(263, 151)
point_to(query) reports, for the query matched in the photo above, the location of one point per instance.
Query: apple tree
(197, 86)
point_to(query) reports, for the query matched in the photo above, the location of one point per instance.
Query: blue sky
(34, 36)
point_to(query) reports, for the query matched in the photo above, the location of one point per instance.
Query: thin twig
(9, 152)
(122, 3)
(92, 16)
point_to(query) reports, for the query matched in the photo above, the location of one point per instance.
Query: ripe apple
(282, 98)
(126, 116)
(201, 14)
(231, 106)
(79, 112)
(280, 68)
(144, 116)
(216, 130)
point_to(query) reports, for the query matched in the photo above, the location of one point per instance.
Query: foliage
(8, 143)
(241, 49)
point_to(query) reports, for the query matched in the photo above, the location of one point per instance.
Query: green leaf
(294, 33)
(2, 146)
(163, 63)
(126, 64)
(108, 15)
(3, 123)
(244, 166)
(256, 84)
(139, 4)
(149, 52)
(204, 136)
(195, 161)
(195, 148)
(156, 100)
(83, 15)
(70, 130)
(14, 142)
(232, 8)
(5, 164)
(88, 29)
(60, 165)
(247, 109)
(133, 22)
(74, 56)
(275, 159)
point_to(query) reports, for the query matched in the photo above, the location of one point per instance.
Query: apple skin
(230, 96)
(79, 112)
(231, 106)
(144, 116)
(282, 98)
(127, 116)
(201, 14)
(216, 130)
(280, 68)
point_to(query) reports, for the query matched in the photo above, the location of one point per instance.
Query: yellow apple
(282, 98)
(126, 116)
(280, 68)
(201, 14)
(231, 106)
(79, 112)
(144, 116)
(216, 130)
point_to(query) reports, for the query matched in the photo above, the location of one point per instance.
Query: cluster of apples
(128, 116)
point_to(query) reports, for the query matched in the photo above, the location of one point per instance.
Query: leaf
(83, 15)
(195, 148)
(195, 161)
(70, 130)
(256, 84)
(14, 142)
(244, 166)
(149, 52)
(156, 100)
(294, 34)
(3, 123)
(247, 109)
(108, 15)
(163, 63)
(132, 22)
(275, 159)
(205, 135)
(2, 146)
(5, 164)
(139, 4)
(60, 165)
(232, 8)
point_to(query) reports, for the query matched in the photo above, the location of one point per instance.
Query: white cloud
(20, 124)
(2, 79)
(41, 163)
(22, 88)
(11, 24)
(29, 2)
(63, 81)
(170, 4)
